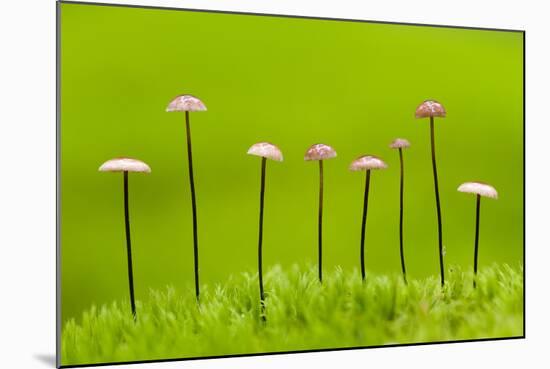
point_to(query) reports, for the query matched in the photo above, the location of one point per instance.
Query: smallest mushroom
(400, 144)
(126, 165)
(320, 152)
(479, 189)
(366, 163)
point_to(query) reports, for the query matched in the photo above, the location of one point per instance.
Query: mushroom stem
(364, 222)
(401, 190)
(260, 236)
(478, 204)
(193, 205)
(129, 245)
(321, 221)
(438, 205)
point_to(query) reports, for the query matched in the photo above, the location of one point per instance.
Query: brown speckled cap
(400, 143)
(320, 152)
(430, 108)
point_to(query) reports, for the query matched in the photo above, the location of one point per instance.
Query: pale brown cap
(400, 143)
(186, 103)
(479, 188)
(124, 165)
(320, 152)
(367, 162)
(266, 150)
(430, 108)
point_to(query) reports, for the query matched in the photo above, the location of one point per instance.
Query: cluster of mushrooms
(318, 152)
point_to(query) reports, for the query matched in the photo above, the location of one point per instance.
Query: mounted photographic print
(241, 184)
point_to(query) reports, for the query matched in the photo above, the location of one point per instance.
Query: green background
(293, 82)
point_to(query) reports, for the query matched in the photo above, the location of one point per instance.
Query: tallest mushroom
(127, 165)
(431, 109)
(189, 103)
(400, 144)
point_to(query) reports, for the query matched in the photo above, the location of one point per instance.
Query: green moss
(301, 315)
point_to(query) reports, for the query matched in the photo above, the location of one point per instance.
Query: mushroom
(266, 151)
(479, 189)
(126, 165)
(189, 103)
(366, 163)
(431, 109)
(320, 152)
(400, 144)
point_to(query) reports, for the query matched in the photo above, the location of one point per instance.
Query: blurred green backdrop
(293, 82)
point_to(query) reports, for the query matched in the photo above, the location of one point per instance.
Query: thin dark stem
(401, 190)
(129, 246)
(364, 223)
(194, 206)
(321, 221)
(478, 204)
(438, 205)
(260, 236)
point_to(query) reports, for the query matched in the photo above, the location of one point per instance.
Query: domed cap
(367, 162)
(479, 188)
(186, 103)
(400, 143)
(266, 150)
(430, 108)
(124, 165)
(320, 152)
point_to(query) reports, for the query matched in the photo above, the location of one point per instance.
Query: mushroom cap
(400, 143)
(430, 108)
(124, 165)
(320, 152)
(367, 162)
(186, 103)
(266, 150)
(478, 188)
